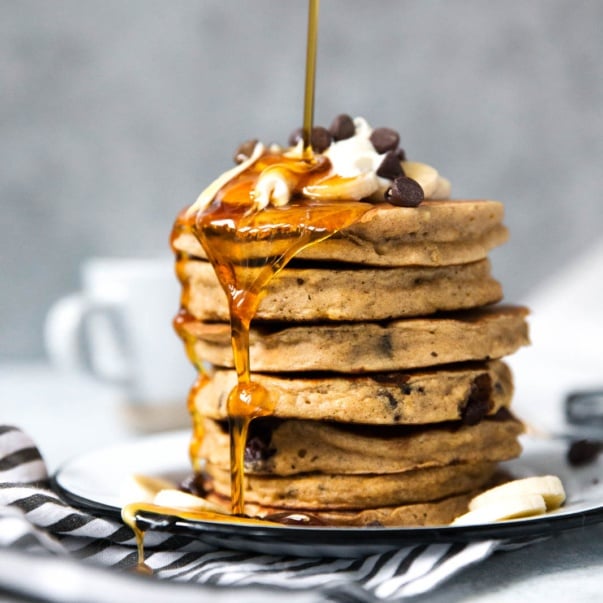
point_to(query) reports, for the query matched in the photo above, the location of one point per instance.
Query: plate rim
(339, 536)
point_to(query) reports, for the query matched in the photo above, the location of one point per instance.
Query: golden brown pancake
(358, 491)
(291, 447)
(433, 513)
(474, 335)
(355, 294)
(437, 233)
(415, 397)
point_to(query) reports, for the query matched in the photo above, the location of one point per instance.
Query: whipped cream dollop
(361, 167)
(354, 164)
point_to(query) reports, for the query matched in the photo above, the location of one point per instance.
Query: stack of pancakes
(381, 348)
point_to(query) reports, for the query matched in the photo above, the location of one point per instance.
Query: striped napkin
(34, 519)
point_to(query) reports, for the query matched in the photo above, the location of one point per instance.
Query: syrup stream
(311, 47)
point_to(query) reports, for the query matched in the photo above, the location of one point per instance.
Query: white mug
(119, 329)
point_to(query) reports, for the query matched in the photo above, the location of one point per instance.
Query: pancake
(478, 334)
(436, 233)
(433, 513)
(339, 491)
(440, 512)
(291, 447)
(464, 392)
(358, 294)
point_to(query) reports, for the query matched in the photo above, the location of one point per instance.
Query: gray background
(114, 114)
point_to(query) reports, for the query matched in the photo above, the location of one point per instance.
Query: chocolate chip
(244, 150)
(385, 139)
(390, 167)
(342, 127)
(405, 192)
(320, 139)
(256, 450)
(478, 402)
(258, 447)
(194, 484)
(391, 399)
(583, 452)
(401, 153)
(386, 345)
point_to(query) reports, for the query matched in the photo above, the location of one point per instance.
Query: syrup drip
(157, 513)
(229, 234)
(311, 46)
(128, 516)
(202, 380)
(198, 431)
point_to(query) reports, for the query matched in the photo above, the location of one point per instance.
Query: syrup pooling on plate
(155, 513)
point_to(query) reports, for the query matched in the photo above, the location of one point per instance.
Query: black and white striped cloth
(34, 519)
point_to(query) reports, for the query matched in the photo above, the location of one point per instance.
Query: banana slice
(424, 174)
(520, 505)
(335, 188)
(547, 486)
(273, 187)
(143, 488)
(442, 190)
(177, 499)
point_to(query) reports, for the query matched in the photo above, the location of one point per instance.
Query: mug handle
(66, 336)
